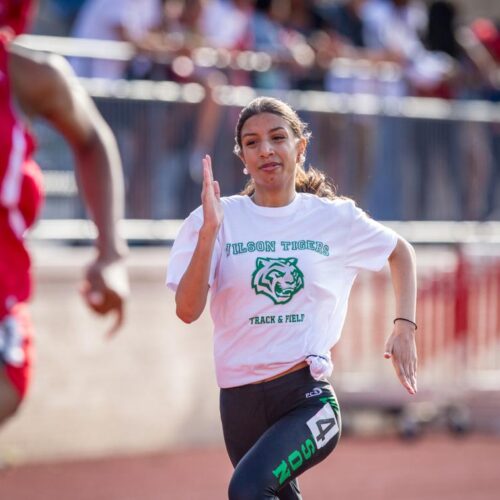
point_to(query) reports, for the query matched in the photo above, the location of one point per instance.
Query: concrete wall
(150, 388)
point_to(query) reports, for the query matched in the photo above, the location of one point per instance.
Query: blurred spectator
(56, 17)
(182, 32)
(440, 37)
(189, 26)
(436, 142)
(283, 34)
(120, 20)
(346, 57)
(481, 41)
(355, 68)
(224, 23)
(130, 21)
(67, 10)
(344, 18)
(391, 27)
(395, 26)
(267, 34)
(307, 30)
(440, 34)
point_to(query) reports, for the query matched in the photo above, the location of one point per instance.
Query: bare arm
(58, 98)
(192, 292)
(480, 56)
(400, 346)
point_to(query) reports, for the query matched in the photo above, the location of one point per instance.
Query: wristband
(408, 320)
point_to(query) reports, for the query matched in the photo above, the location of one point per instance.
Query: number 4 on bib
(323, 426)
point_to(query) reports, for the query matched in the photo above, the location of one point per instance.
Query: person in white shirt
(279, 260)
(118, 20)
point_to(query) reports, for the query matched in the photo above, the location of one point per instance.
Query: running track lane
(437, 467)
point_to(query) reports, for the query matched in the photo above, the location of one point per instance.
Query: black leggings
(275, 431)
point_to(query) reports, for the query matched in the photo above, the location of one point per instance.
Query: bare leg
(10, 398)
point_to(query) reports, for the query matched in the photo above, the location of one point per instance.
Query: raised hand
(402, 350)
(192, 291)
(210, 197)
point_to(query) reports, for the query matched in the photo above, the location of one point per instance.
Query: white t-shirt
(280, 280)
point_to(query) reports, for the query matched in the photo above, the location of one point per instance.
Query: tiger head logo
(280, 279)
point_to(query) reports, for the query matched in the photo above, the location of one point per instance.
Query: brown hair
(310, 181)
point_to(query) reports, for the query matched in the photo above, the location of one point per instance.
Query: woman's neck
(271, 199)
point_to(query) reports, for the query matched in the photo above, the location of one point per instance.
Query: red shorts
(16, 346)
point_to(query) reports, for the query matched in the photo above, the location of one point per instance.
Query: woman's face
(271, 152)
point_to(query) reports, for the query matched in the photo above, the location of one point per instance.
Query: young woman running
(280, 260)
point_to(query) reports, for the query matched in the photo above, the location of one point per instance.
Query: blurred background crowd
(404, 161)
(314, 45)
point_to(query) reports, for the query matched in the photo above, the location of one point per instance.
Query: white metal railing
(315, 101)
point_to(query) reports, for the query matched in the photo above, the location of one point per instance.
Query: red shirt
(21, 196)
(15, 14)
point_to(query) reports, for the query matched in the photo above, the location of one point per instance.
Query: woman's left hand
(402, 349)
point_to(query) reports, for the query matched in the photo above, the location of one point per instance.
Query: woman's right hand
(190, 297)
(210, 197)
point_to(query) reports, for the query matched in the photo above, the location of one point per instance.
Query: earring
(245, 171)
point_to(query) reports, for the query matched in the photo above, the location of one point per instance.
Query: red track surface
(437, 467)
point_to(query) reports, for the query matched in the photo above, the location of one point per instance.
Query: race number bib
(323, 426)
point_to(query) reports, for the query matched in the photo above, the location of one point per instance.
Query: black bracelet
(408, 320)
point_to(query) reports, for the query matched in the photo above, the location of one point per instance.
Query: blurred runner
(43, 86)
